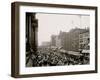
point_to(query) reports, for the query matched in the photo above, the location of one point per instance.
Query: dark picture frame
(15, 38)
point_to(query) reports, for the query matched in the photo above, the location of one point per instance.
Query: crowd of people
(55, 57)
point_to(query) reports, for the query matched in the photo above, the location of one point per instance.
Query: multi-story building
(53, 40)
(56, 41)
(84, 40)
(73, 40)
(70, 40)
(31, 31)
(31, 37)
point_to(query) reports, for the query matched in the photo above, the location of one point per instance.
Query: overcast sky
(52, 24)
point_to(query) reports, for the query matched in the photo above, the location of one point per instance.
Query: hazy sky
(49, 24)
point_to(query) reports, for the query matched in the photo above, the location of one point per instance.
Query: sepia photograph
(57, 39)
(53, 39)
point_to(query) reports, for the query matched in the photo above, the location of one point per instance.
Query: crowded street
(57, 57)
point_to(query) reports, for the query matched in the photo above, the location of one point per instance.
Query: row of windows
(84, 46)
(86, 40)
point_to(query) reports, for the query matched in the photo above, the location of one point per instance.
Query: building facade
(56, 41)
(31, 31)
(84, 40)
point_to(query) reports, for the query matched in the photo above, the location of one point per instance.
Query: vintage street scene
(57, 39)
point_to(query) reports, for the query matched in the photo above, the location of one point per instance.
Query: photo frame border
(15, 38)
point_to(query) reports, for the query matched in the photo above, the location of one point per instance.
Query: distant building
(84, 40)
(56, 41)
(70, 40)
(53, 40)
(64, 40)
(45, 44)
